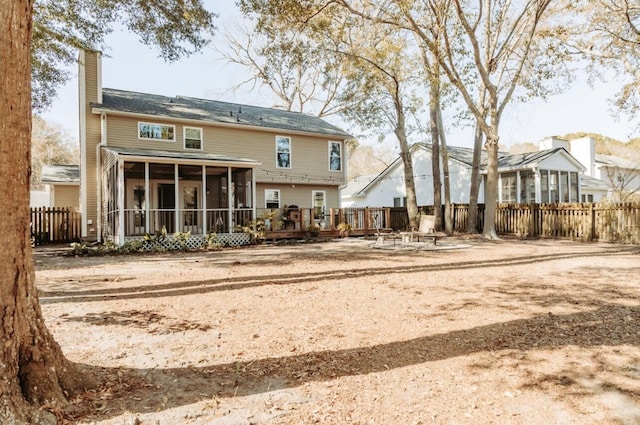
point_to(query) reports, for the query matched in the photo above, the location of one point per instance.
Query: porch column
(253, 194)
(538, 186)
(499, 187)
(121, 191)
(579, 188)
(518, 197)
(176, 207)
(147, 198)
(560, 188)
(230, 196)
(204, 200)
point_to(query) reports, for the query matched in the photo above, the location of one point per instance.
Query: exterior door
(190, 201)
(135, 210)
(166, 207)
(319, 203)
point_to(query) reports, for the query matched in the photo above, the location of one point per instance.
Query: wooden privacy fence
(55, 225)
(588, 222)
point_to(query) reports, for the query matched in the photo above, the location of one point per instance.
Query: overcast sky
(128, 65)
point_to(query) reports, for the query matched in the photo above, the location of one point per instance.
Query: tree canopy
(177, 28)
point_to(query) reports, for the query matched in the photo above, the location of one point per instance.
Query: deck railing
(367, 220)
(587, 222)
(189, 220)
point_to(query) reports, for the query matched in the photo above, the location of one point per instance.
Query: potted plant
(313, 230)
(344, 229)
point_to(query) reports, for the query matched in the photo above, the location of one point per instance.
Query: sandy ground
(507, 332)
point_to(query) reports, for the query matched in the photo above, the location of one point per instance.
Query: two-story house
(151, 162)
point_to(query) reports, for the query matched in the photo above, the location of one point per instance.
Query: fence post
(366, 221)
(592, 216)
(532, 219)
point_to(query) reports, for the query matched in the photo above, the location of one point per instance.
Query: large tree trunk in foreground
(33, 370)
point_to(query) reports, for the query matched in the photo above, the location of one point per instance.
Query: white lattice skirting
(195, 242)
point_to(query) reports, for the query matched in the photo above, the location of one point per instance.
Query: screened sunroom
(148, 192)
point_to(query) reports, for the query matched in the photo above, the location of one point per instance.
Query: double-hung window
(272, 198)
(283, 152)
(508, 187)
(151, 131)
(335, 156)
(193, 138)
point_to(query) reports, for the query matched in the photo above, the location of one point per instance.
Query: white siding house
(551, 175)
(387, 189)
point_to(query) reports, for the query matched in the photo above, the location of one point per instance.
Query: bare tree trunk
(491, 189)
(33, 370)
(409, 182)
(435, 161)
(448, 213)
(472, 224)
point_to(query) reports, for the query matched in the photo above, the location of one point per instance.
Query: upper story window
(283, 152)
(335, 156)
(193, 138)
(150, 131)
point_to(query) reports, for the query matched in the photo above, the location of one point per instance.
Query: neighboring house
(593, 190)
(622, 176)
(61, 187)
(606, 176)
(150, 162)
(387, 189)
(551, 175)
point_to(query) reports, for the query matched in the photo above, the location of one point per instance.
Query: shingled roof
(506, 161)
(60, 174)
(214, 112)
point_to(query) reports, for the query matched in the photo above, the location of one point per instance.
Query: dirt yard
(508, 332)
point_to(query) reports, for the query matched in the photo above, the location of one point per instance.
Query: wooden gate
(55, 225)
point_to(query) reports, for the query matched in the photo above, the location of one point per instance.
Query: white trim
(204, 200)
(176, 203)
(329, 156)
(99, 75)
(185, 161)
(217, 124)
(290, 152)
(254, 195)
(147, 195)
(120, 202)
(82, 95)
(155, 139)
(184, 138)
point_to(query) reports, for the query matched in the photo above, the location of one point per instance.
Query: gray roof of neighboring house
(214, 111)
(60, 174)
(507, 160)
(591, 183)
(198, 156)
(618, 162)
(465, 156)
